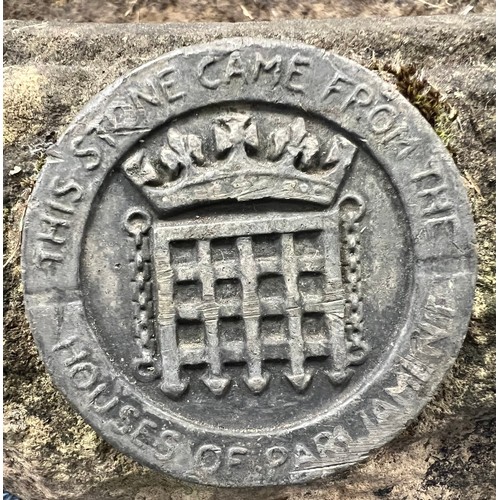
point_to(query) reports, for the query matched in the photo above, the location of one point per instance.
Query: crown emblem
(237, 161)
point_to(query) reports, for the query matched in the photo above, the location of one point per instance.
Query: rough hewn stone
(52, 70)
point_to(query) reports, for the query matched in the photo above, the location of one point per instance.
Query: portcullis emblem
(249, 263)
(242, 289)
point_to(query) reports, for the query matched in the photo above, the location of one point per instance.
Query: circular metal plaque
(249, 263)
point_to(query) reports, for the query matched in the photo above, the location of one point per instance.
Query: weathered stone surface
(46, 90)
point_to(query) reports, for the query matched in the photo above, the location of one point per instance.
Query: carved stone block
(249, 263)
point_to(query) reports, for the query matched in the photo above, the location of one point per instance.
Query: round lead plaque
(249, 263)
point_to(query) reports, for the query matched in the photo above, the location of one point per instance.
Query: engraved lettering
(436, 206)
(436, 200)
(234, 455)
(104, 397)
(417, 368)
(91, 155)
(303, 454)
(76, 354)
(403, 381)
(102, 406)
(276, 456)
(294, 71)
(64, 344)
(235, 67)
(398, 138)
(203, 79)
(49, 256)
(167, 444)
(337, 84)
(167, 84)
(52, 233)
(148, 92)
(127, 414)
(62, 188)
(60, 207)
(102, 131)
(262, 65)
(70, 190)
(87, 375)
(158, 90)
(142, 433)
(381, 411)
(322, 440)
(362, 96)
(382, 118)
(442, 225)
(435, 326)
(330, 444)
(208, 457)
(125, 116)
(427, 334)
(249, 71)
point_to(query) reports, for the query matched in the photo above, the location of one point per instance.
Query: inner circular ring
(359, 386)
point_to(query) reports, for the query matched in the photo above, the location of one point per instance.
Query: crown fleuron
(237, 161)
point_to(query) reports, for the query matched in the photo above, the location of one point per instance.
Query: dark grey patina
(248, 263)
